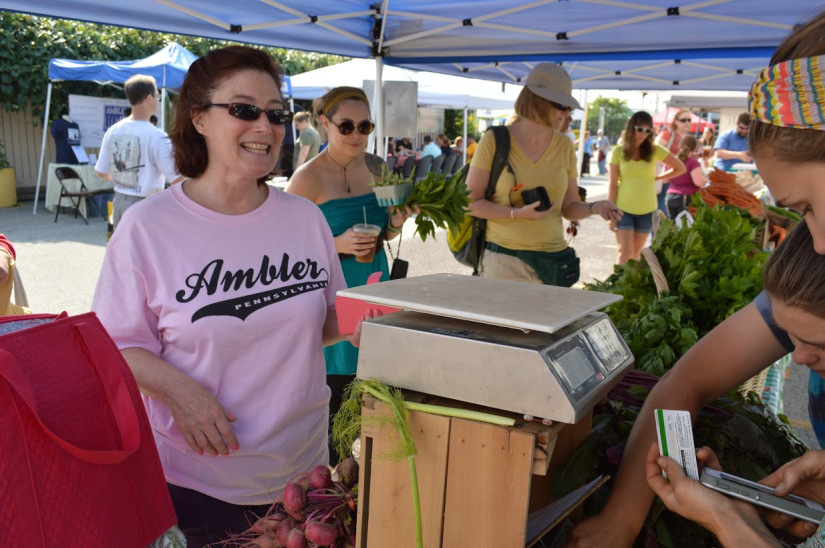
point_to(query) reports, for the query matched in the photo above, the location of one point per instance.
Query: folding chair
(409, 164)
(424, 167)
(448, 168)
(391, 160)
(66, 173)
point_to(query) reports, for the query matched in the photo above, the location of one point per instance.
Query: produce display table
(477, 481)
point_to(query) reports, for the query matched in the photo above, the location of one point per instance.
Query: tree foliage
(616, 115)
(454, 123)
(30, 42)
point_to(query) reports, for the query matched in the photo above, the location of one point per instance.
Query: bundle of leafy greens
(442, 202)
(713, 268)
(750, 441)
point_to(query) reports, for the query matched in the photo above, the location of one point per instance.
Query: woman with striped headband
(787, 141)
(338, 181)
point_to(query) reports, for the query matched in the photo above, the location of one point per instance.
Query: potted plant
(8, 186)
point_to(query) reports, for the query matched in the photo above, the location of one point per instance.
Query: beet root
(282, 532)
(295, 498)
(296, 539)
(267, 523)
(348, 471)
(322, 534)
(320, 477)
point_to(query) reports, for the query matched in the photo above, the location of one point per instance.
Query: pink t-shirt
(683, 184)
(238, 303)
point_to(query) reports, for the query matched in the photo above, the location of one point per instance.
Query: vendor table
(90, 179)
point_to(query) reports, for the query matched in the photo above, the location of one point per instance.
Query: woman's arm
(574, 209)
(203, 421)
(736, 350)
(477, 181)
(697, 175)
(676, 168)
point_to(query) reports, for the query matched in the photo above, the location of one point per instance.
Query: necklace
(344, 167)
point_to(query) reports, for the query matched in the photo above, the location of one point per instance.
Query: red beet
(348, 471)
(320, 477)
(282, 533)
(296, 539)
(322, 534)
(295, 498)
(267, 523)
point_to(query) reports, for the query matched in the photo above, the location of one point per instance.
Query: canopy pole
(464, 141)
(43, 146)
(580, 152)
(163, 107)
(292, 125)
(378, 105)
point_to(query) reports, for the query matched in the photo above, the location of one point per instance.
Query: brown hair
(794, 273)
(139, 87)
(531, 107)
(646, 146)
(679, 113)
(328, 103)
(687, 147)
(302, 116)
(793, 145)
(204, 75)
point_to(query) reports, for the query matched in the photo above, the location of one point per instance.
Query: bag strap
(502, 135)
(114, 387)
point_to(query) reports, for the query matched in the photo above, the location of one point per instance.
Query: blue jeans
(603, 166)
(660, 199)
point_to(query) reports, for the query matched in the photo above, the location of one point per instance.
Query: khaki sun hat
(550, 81)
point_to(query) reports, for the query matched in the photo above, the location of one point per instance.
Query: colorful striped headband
(791, 94)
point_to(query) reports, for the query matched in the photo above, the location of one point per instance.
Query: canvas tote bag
(78, 464)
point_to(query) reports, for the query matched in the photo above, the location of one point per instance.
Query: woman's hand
(355, 338)
(805, 477)
(354, 243)
(203, 421)
(528, 211)
(607, 210)
(399, 216)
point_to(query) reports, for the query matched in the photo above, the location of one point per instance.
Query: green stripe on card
(662, 435)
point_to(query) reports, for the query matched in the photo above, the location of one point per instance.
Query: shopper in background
(732, 146)
(684, 186)
(671, 138)
(633, 184)
(309, 141)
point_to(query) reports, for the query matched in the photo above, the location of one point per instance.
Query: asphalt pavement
(60, 263)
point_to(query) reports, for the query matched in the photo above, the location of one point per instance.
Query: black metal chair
(436, 166)
(391, 160)
(409, 165)
(448, 168)
(67, 173)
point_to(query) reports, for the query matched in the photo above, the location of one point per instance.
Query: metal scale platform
(534, 349)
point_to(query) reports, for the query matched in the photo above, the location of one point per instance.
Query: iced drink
(367, 230)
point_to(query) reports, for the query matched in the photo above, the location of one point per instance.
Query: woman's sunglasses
(641, 129)
(683, 120)
(563, 108)
(365, 127)
(250, 113)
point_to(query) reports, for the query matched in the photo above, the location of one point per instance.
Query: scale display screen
(575, 366)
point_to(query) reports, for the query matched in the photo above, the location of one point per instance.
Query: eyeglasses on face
(563, 108)
(683, 120)
(641, 129)
(365, 127)
(250, 113)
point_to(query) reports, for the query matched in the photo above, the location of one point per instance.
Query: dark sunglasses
(640, 129)
(250, 113)
(365, 127)
(683, 120)
(563, 108)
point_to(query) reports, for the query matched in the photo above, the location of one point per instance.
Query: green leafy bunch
(442, 201)
(713, 269)
(749, 439)
(4, 161)
(390, 178)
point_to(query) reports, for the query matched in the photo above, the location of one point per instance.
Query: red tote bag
(78, 463)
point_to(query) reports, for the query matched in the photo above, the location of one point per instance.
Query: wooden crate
(474, 479)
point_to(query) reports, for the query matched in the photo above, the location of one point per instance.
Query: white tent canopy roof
(434, 90)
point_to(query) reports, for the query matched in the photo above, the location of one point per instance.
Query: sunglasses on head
(563, 108)
(640, 129)
(365, 127)
(683, 120)
(250, 113)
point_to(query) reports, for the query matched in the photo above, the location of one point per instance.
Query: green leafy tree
(30, 42)
(616, 115)
(454, 123)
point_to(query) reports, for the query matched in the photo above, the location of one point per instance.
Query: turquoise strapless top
(342, 213)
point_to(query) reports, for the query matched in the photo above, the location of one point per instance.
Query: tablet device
(762, 495)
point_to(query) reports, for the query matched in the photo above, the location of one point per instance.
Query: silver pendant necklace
(344, 167)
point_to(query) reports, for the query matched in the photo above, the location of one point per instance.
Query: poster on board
(95, 115)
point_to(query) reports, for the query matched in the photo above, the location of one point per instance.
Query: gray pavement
(60, 263)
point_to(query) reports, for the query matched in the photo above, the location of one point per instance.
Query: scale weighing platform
(534, 349)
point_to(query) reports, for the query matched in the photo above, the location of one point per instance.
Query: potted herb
(8, 186)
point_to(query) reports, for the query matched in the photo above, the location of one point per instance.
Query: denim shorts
(636, 223)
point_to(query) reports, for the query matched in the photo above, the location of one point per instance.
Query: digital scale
(534, 349)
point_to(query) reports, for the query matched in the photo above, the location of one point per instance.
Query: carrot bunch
(723, 189)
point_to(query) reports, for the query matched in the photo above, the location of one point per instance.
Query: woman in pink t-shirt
(671, 138)
(684, 186)
(220, 293)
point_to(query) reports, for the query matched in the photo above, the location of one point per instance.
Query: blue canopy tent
(168, 66)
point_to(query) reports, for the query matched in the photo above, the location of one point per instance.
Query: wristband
(392, 230)
(590, 208)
